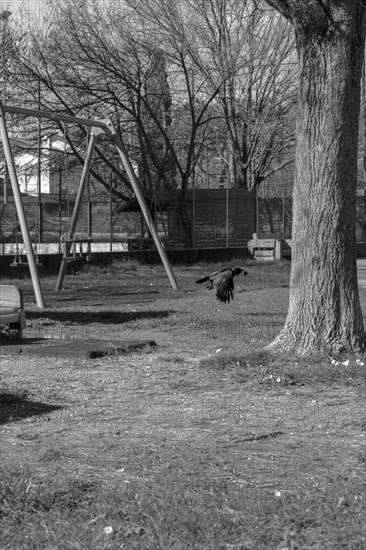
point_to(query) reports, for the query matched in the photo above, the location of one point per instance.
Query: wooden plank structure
(266, 246)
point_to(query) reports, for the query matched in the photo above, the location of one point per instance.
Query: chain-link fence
(197, 219)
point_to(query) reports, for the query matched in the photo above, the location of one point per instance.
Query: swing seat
(25, 264)
(77, 255)
(78, 240)
(74, 259)
(19, 264)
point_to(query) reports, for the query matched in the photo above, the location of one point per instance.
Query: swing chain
(67, 185)
(17, 258)
(85, 230)
(17, 261)
(36, 232)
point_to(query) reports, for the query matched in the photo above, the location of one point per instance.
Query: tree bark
(324, 311)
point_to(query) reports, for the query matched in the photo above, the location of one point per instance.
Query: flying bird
(223, 281)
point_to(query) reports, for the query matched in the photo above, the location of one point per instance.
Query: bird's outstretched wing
(209, 278)
(224, 282)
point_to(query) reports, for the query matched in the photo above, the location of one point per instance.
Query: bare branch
(280, 5)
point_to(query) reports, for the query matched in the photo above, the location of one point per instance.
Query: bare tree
(104, 53)
(256, 50)
(244, 49)
(324, 311)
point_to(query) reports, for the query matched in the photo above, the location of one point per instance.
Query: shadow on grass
(15, 406)
(83, 317)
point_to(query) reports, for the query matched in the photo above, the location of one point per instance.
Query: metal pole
(4, 17)
(283, 212)
(149, 221)
(75, 214)
(107, 127)
(39, 172)
(5, 183)
(227, 213)
(20, 209)
(59, 208)
(54, 116)
(194, 213)
(110, 215)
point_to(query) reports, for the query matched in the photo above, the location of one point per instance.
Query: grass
(169, 514)
(267, 369)
(205, 442)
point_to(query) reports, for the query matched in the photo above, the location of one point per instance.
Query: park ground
(203, 441)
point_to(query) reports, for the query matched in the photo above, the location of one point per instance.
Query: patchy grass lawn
(203, 442)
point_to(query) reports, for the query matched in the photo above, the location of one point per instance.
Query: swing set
(97, 127)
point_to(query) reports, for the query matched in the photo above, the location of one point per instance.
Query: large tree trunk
(324, 312)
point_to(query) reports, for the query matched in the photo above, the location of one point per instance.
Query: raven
(223, 281)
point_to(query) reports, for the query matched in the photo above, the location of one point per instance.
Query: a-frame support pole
(20, 209)
(107, 127)
(136, 187)
(76, 211)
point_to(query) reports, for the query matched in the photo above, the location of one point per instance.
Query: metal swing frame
(97, 127)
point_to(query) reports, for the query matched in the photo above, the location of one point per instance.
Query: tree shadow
(85, 317)
(15, 406)
(266, 314)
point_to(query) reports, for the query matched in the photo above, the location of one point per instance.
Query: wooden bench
(12, 308)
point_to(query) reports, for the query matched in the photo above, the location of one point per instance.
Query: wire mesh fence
(199, 218)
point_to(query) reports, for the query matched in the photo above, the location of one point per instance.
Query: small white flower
(108, 530)
(362, 364)
(277, 494)
(358, 360)
(270, 375)
(278, 379)
(345, 363)
(218, 350)
(336, 363)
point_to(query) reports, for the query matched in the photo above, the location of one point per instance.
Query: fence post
(194, 214)
(283, 213)
(227, 213)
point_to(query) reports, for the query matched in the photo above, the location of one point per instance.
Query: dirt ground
(146, 414)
